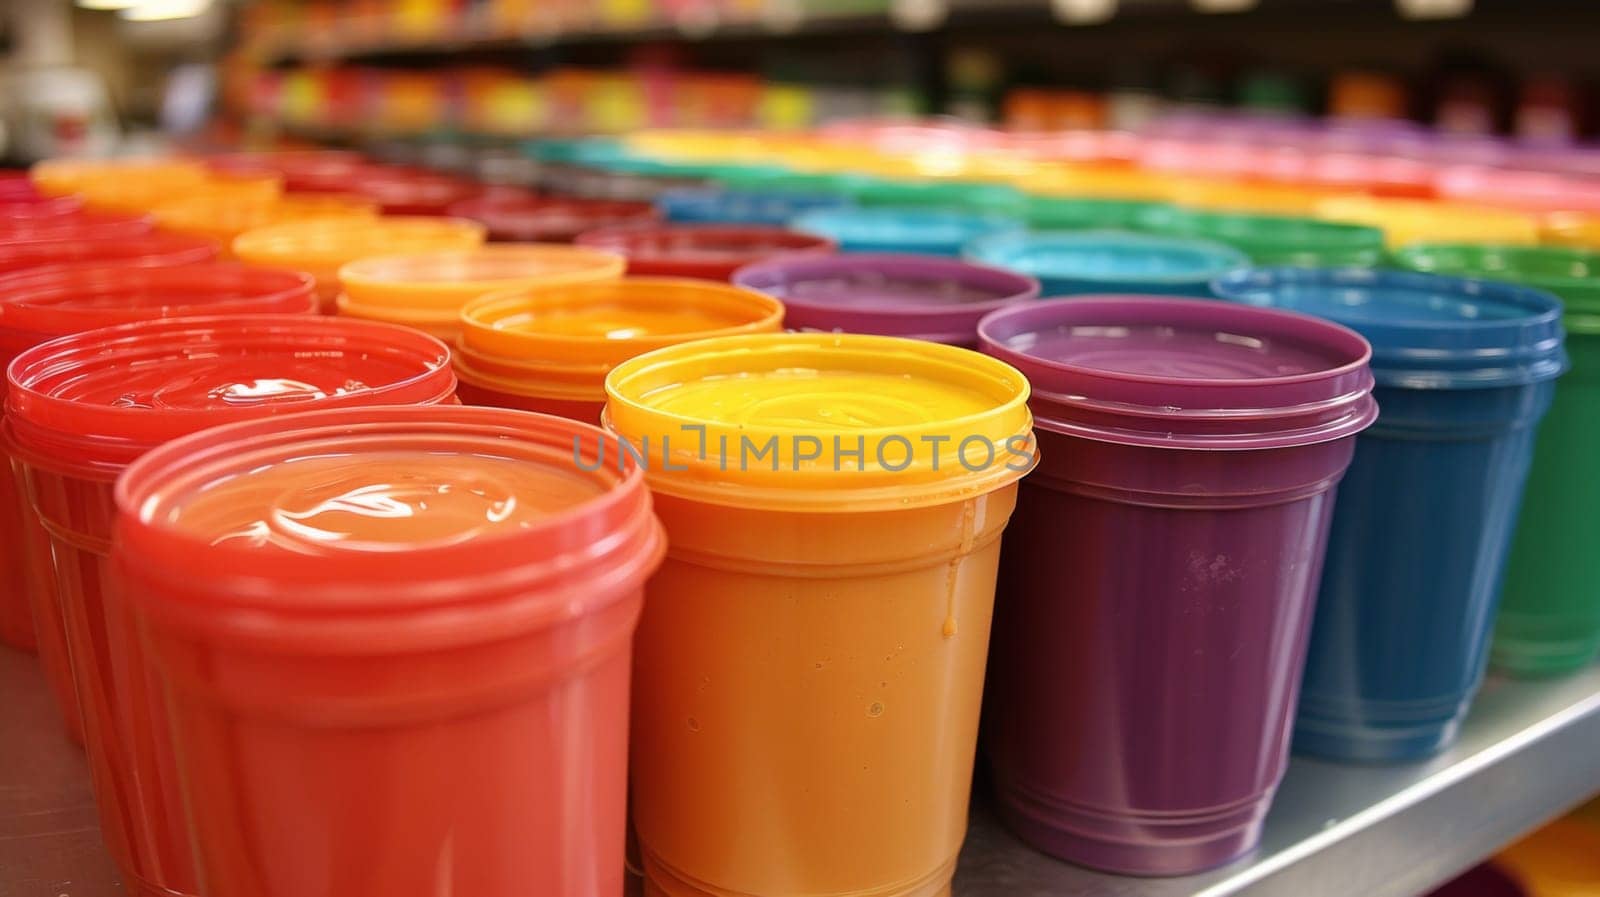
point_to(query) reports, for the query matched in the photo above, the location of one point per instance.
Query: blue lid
(776, 208)
(888, 229)
(1074, 262)
(1427, 331)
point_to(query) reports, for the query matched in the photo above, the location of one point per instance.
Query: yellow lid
(1246, 196)
(1559, 860)
(1405, 221)
(823, 421)
(118, 184)
(1579, 229)
(322, 245)
(440, 283)
(1097, 181)
(561, 340)
(222, 217)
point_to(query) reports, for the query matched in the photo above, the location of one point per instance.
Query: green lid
(1273, 239)
(966, 196)
(1571, 274)
(1086, 213)
(584, 150)
(780, 180)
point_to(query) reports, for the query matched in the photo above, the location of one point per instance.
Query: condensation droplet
(875, 709)
(949, 627)
(694, 724)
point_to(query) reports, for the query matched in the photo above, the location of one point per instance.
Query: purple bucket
(917, 296)
(1157, 579)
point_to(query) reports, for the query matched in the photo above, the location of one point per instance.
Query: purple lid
(1185, 373)
(923, 297)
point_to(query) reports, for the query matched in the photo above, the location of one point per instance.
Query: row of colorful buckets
(359, 615)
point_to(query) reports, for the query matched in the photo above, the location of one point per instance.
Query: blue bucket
(775, 208)
(1464, 369)
(1072, 263)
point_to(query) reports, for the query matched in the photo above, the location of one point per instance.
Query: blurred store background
(451, 76)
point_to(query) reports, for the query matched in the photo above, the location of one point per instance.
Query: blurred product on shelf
(549, 348)
(1089, 262)
(715, 206)
(930, 231)
(320, 247)
(708, 251)
(913, 296)
(427, 290)
(223, 218)
(55, 112)
(1558, 860)
(1271, 239)
(527, 218)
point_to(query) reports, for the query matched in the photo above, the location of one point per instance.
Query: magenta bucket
(1158, 578)
(916, 296)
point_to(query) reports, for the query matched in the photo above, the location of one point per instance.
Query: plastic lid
(576, 537)
(435, 285)
(1086, 213)
(823, 422)
(302, 170)
(1427, 332)
(1108, 181)
(1532, 191)
(1408, 220)
(86, 227)
(1571, 229)
(1273, 239)
(100, 399)
(1095, 261)
(707, 251)
(25, 207)
(925, 297)
(1247, 196)
(147, 249)
(1571, 274)
(960, 195)
(143, 178)
(1185, 373)
(70, 299)
(561, 341)
(532, 219)
(224, 217)
(410, 191)
(743, 206)
(926, 231)
(782, 180)
(323, 245)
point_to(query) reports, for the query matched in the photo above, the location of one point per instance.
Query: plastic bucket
(1464, 369)
(1161, 570)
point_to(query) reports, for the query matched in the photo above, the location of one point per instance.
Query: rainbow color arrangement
(344, 534)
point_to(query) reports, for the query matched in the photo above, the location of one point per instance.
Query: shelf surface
(1528, 753)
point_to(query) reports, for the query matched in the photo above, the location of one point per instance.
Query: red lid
(410, 191)
(16, 185)
(145, 250)
(710, 252)
(98, 400)
(594, 543)
(87, 226)
(302, 170)
(60, 299)
(33, 207)
(535, 220)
